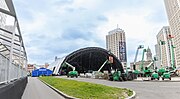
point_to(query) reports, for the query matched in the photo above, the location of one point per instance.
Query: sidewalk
(35, 89)
(173, 79)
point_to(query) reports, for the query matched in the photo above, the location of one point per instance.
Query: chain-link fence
(9, 71)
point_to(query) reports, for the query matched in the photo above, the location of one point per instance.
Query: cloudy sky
(57, 27)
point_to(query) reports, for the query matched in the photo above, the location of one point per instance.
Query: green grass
(86, 90)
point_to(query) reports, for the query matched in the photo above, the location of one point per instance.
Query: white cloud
(50, 20)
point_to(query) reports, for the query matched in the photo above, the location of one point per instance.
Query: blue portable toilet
(41, 71)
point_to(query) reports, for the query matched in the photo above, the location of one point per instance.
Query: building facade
(149, 55)
(30, 67)
(138, 64)
(157, 51)
(116, 43)
(163, 50)
(173, 13)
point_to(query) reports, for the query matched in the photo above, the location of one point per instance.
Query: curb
(70, 97)
(59, 92)
(154, 81)
(133, 96)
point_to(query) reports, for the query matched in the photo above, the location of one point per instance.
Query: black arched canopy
(91, 58)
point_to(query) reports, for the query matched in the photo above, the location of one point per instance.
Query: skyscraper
(173, 13)
(116, 43)
(163, 51)
(149, 55)
(157, 51)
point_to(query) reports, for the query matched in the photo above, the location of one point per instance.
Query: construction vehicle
(134, 64)
(143, 71)
(161, 71)
(97, 74)
(117, 76)
(147, 71)
(155, 75)
(166, 75)
(72, 73)
(172, 69)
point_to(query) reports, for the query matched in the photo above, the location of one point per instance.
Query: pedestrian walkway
(35, 89)
(173, 79)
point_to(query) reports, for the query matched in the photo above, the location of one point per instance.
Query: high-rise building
(173, 13)
(163, 51)
(116, 43)
(149, 54)
(157, 56)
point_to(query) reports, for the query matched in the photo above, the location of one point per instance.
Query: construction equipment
(147, 70)
(155, 74)
(102, 65)
(113, 76)
(72, 73)
(116, 76)
(172, 52)
(98, 74)
(161, 71)
(166, 75)
(134, 64)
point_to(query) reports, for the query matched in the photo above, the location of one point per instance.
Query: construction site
(98, 63)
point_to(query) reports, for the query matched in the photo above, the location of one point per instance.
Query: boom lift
(166, 73)
(146, 72)
(97, 73)
(72, 73)
(142, 61)
(173, 67)
(134, 64)
(155, 74)
(170, 70)
(114, 75)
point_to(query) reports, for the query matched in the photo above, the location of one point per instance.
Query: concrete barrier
(13, 89)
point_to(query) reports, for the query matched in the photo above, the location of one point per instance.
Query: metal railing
(9, 72)
(13, 58)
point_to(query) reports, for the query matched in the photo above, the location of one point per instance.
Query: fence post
(11, 51)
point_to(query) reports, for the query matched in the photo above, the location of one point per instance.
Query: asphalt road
(35, 89)
(143, 89)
